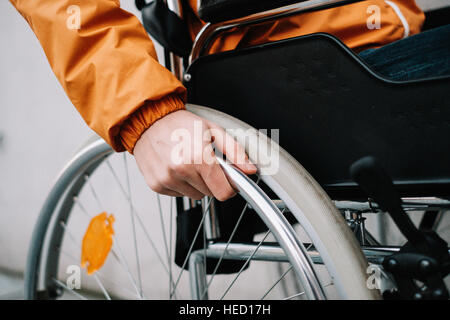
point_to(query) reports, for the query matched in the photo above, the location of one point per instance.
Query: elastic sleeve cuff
(144, 117)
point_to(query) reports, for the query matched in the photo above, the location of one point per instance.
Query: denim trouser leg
(423, 55)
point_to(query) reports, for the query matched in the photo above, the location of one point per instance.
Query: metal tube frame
(409, 204)
(176, 62)
(211, 223)
(280, 228)
(239, 251)
(274, 253)
(210, 31)
(235, 251)
(197, 275)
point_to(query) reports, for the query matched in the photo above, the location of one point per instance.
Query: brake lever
(377, 184)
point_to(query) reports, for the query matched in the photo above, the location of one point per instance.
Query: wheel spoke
(216, 268)
(146, 233)
(101, 275)
(302, 293)
(295, 295)
(245, 264)
(276, 282)
(126, 268)
(94, 193)
(170, 246)
(123, 264)
(133, 224)
(163, 227)
(72, 237)
(62, 284)
(82, 208)
(102, 287)
(192, 246)
(70, 234)
(204, 248)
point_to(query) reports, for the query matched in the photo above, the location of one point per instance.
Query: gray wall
(40, 130)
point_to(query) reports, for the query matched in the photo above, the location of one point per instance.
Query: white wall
(40, 130)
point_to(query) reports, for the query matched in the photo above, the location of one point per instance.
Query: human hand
(176, 157)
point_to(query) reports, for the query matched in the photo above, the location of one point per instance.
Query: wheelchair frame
(73, 177)
(353, 210)
(211, 31)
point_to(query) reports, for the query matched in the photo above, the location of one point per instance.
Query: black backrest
(331, 110)
(436, 18)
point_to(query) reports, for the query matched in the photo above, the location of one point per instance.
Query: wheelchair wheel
(313, 244)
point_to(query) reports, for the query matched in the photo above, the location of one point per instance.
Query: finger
(167, 192)
(234, 152)
(156, 186)
(167, 179)
(172, 193)
(216, 180)
(187, 190)
(175, 189)
(193, 178)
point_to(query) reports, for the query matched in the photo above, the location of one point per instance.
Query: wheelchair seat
(332, 109)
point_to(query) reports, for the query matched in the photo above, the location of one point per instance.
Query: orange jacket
(109, 69)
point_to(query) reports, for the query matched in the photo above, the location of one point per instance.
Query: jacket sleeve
(107, 65)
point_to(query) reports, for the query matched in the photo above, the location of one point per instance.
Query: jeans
(423, 55)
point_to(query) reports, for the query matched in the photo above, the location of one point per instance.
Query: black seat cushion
(222, 10)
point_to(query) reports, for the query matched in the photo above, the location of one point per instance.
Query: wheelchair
(298, 232)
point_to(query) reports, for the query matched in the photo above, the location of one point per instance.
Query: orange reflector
(97, 242)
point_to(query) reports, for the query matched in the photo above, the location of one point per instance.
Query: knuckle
(179, 169)
(166, 179)
(220, 198)
(197, 196)
(225, 194)
(156, 187)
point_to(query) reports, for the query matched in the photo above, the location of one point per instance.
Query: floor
(11, 286)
